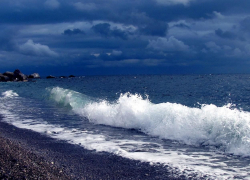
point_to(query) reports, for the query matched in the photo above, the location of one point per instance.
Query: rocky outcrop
(50, 77)
(10, 75)
(17, 75)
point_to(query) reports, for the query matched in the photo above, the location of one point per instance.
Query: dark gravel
(25, 154)
(18, 163)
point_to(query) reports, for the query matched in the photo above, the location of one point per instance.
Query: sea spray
(222, 127)
(9, 94)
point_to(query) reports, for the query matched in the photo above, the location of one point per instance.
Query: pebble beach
(28, 155)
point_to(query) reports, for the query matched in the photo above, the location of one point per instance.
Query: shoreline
(27, 154)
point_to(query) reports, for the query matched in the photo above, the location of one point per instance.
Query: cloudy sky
(97, 37)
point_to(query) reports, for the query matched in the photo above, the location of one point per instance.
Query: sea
(192, 124)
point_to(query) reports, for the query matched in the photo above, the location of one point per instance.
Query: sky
(113, 37)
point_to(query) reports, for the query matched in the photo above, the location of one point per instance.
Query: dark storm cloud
(104, 29)
(130, 33)
(182, 25)
(154, 29)
(70, 32)
(7, 42)
(225, 34)
(40, 12)
(110, 10)
(245, 24)
(25, 11)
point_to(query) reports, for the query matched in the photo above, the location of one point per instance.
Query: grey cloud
(170, 44)
(104, 29)
(52, 4)
(36, 49)
(73, 32)
(174, 2)
(85, 6)
(213, 47)
(116, 53)
(76, 10)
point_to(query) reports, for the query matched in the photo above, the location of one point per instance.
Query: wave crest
(223, 127)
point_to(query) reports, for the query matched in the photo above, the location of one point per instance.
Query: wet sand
(25, 154)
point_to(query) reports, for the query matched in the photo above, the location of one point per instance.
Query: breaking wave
(222, 127)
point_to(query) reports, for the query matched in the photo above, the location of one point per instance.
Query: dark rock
(9, 74)
(22, 77)
(71, 76)
(50, 77)
(18, 76)
(4, 78)
(17, 71)
(34, 75)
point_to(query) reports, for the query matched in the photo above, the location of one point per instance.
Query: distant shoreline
(61, 160)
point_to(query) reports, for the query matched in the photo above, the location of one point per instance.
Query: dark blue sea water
(192, 123)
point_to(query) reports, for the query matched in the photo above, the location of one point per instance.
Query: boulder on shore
(71, 76)
(34, 75)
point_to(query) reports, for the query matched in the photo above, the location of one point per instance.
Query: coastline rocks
(50, 77)
(34, 75)
(17, 75)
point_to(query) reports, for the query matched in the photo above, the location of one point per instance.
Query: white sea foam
(9, 93)
(223, 127)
